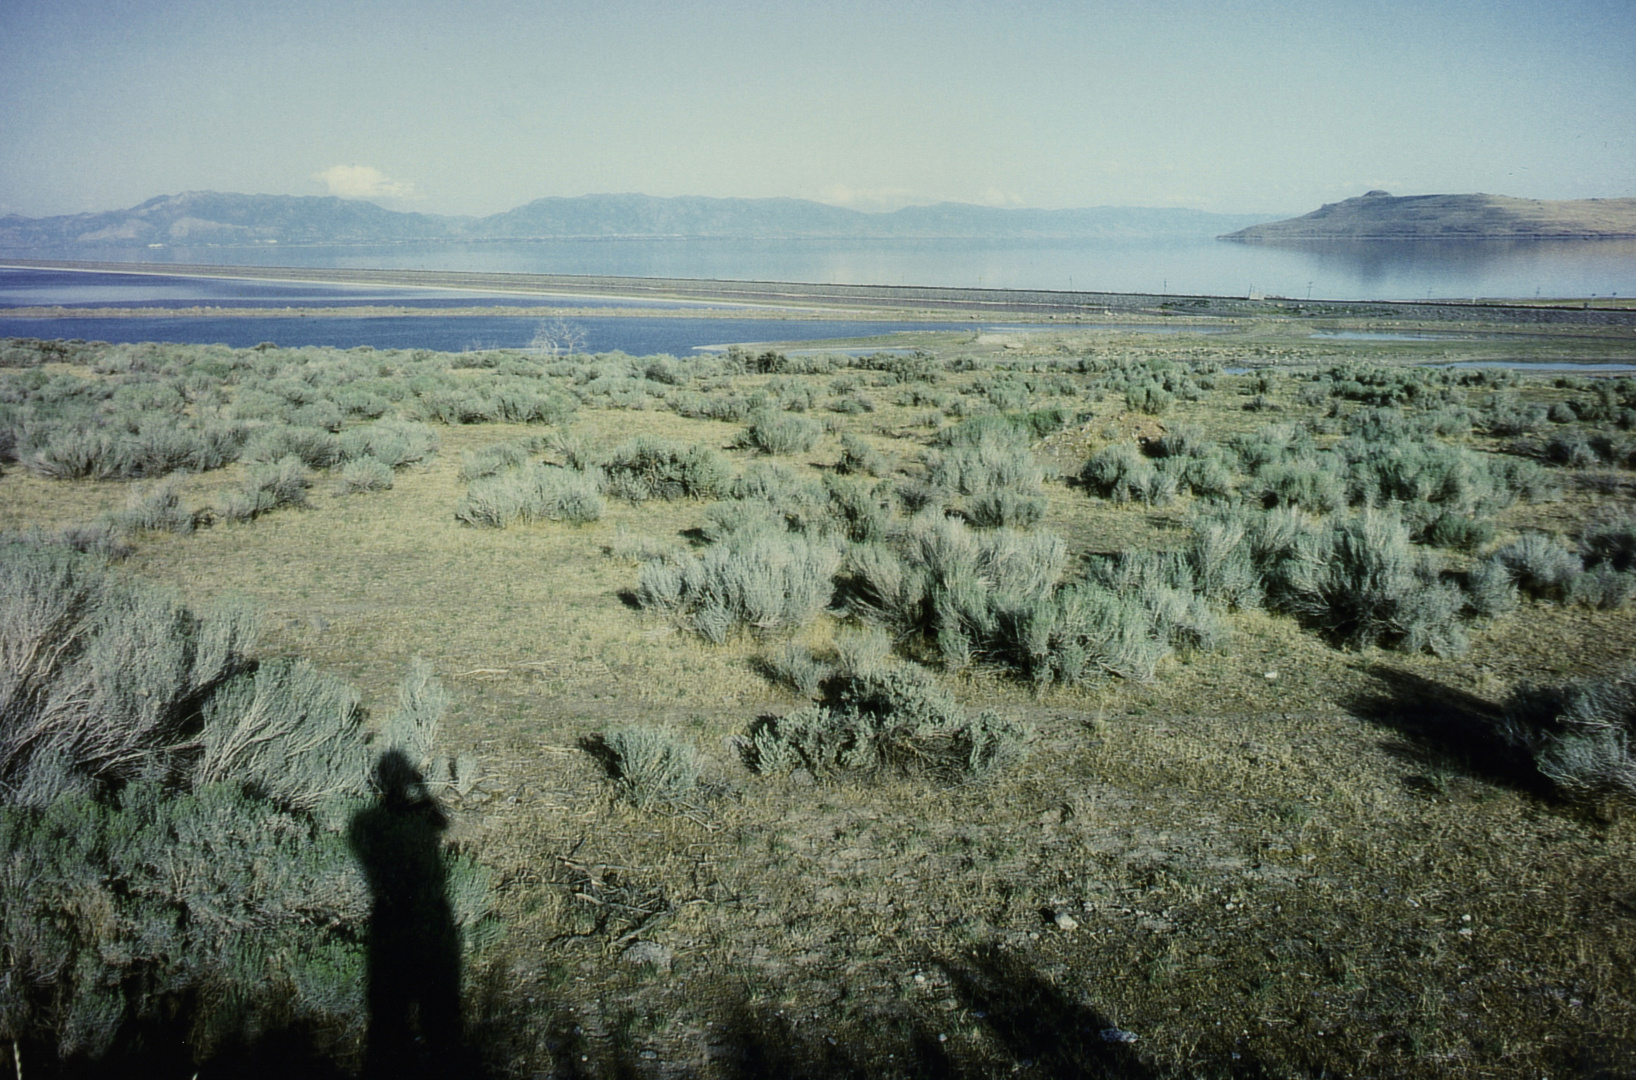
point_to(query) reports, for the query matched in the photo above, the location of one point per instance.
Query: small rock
(1271, 676)
(1066, 921)
(1118, 1035)
(648, 952)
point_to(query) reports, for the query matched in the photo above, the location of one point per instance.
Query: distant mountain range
(1379, 215)
(204, 218)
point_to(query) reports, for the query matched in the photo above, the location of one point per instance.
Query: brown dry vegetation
(1281, 858)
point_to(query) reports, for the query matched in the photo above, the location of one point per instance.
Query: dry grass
(1279, 860)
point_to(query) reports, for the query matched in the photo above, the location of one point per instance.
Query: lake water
(1540, 365)
(1199, 266)
(636, 335)
(716, 325)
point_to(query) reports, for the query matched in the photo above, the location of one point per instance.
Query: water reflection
(1176, 265)
(1410, 270)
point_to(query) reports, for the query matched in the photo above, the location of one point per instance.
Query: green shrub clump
(119, 908)
(365, 474)
(492, 460)
(774, 432)
(1602, 574)
(651, 766)
(860, 458)
(1120, 472)
(1357, 578)
(997, 472)
(392, 442)
(998, 597)
(173, 821)
(885, 720)
(1611, 540)
(1005, 509)
(1364, 583)
(158, 508)
(756, 578)
(647, 468)
(533, 493)
(1541, 565)
(1150, 398)
(1581, 736)
(267, 488)
(313, 447)
(143, 446)
(99, 683)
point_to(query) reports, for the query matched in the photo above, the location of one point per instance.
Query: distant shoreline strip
(540, 312)
(935, 301)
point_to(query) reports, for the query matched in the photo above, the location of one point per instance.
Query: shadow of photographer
(414, 945)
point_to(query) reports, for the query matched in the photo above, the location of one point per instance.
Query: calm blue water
(1564, 268)
(631, 334)
(637, 335)
(1201, 266)
(1539, 365)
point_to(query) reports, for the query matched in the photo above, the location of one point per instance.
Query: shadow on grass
(414, 945)
(1612, 1057)
(1445, 729)
(1041, 1025)
(163, 1048)
(761, 1044)
(413, 972)
(596, 747)
(1031, 1027)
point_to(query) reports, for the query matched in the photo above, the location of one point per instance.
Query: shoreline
(376, 311)
(815, 299)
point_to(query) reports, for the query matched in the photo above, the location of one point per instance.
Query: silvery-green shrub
(1581, 735)
(365, 474)
(886, 720)
(653, 767)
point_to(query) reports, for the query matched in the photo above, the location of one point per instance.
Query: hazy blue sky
(1264, 106)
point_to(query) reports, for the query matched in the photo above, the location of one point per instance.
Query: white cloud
(885, 199)
(999, 197)
(870, 200)
(363, 182)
